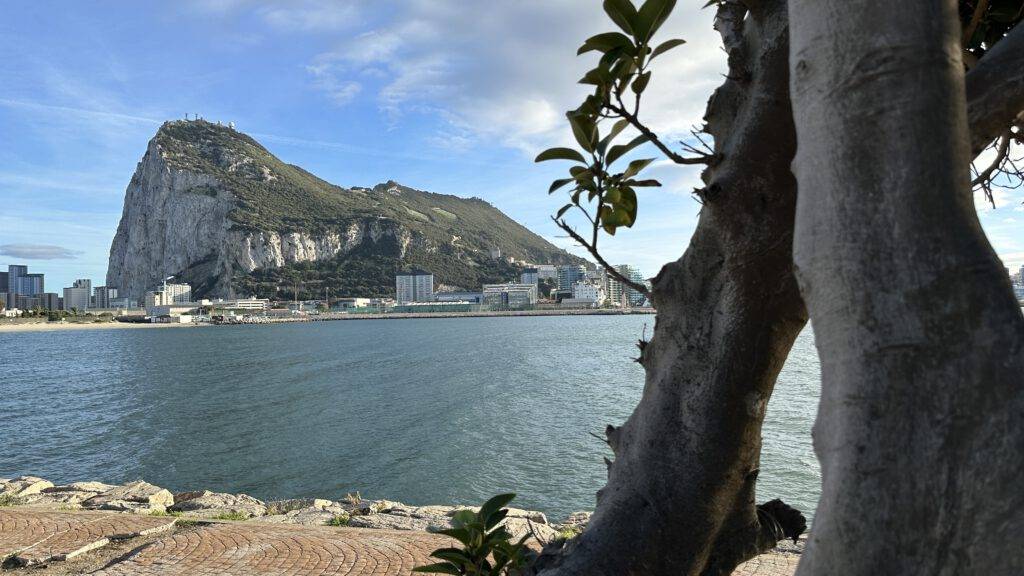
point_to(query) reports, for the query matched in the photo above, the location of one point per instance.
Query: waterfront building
(510, 295)
(77, 296)
(529, 276)
(471, 297)
(102, 295)
(585, 291)
(257, 304)
(569, 275)
(3, 282)
(20, 282)
(414, 286)
(622, 295)
(169, 294)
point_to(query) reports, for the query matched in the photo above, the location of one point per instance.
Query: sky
(450, 96)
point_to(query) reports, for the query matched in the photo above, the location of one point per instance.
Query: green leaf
(463, 518)
(618, 127)
(498, 516)
(650, 17)
(561, 211)
(439, 568)
(605, 42)
(598, 76)
(558, 184)
(585, 131)
(666, 46)
(642, 183)
(460, 534)
(641, 82)
(453, 555)
(622, 12)
(619, 150)
(635, 167)
(560, 154)
(493, 505)
(613, 195)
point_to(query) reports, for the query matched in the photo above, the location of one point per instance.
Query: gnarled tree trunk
(680, 492)
(920, 430)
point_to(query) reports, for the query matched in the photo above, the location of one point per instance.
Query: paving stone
(38, 536)
(257, 549)
(769, 565)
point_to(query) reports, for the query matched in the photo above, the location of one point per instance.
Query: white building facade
(414, 286)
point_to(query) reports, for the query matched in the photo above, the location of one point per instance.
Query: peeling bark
(920, 429)
(680, 493)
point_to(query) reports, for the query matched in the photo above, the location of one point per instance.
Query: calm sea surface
(421, 411)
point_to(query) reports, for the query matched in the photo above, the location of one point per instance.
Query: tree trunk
(920, 430)
(680, 493)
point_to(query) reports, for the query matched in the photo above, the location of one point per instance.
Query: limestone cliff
(211, 207)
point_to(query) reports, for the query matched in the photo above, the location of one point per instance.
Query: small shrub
(487, 548)
(231, 516)
(165, 513)
(10, 500)
(353, 499)
(339, 520)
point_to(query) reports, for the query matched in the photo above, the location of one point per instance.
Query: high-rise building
(510, 295)
(414, 286)
(77, 297)
(102, 295)
(569, 275)
(621, 294)
(545, 271)
(529, 276)
(169, 294)
(20, 282)
(3, 282)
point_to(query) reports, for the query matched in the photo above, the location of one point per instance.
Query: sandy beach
(59, 326)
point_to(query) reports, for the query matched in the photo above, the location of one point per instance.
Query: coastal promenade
(143, 530)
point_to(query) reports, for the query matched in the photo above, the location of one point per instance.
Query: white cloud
(292, 15)
(506, 72)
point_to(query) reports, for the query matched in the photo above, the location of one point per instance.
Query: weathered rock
(23, 486)
(396, 522)
(280, 507)
(311, 516)
(206, 503)
(70, 495)
(519, 527)
(576, 521)
(138, 496)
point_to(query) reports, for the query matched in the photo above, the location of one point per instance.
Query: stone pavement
(38, 536)
(249, 549)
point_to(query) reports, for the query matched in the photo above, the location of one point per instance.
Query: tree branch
(995, 90)
(979, 11)
(635, 122)
(984, 177)
(600, 260)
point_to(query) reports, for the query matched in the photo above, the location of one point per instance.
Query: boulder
(71, 495)
(280, 507)
(138, 496)
(206, 503)
(23, 486)
(519, 527)
(576, 522)
(396, 522)
(311, 516)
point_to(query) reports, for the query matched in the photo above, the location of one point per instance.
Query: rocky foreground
(141, 497)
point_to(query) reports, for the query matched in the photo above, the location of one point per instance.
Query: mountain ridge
(213, 207)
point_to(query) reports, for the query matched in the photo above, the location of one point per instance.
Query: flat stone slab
(769, 565)
(39, 536)
(255, 549)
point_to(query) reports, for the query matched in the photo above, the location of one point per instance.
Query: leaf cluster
(621, 75)
(487, 547)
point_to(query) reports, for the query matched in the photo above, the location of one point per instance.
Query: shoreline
(44, 326)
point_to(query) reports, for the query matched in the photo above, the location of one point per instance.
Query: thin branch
(979, 11)
(600, 260)
(635, 122)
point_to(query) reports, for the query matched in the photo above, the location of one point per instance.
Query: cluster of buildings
(1018, 283)
(22, 290)
(571, 286)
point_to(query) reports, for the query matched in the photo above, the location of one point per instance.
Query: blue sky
(443, 95)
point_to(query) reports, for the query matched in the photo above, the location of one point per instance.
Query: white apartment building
(512, 295)
(78, 296)
(414, 286)
(587, 291)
